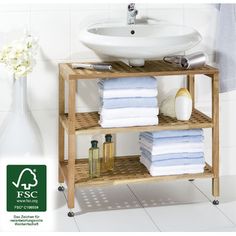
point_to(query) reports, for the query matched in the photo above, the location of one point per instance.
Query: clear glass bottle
(108, 154)
(94, 160)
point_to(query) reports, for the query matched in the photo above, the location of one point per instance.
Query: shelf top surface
(88, 123)
(120, 69)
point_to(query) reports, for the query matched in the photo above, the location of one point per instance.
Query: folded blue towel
(171, 155)
(128, 82)
(178, 139)
(176, 162)
(129, 102)
(173, 133)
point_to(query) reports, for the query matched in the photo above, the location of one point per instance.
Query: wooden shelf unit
(128, 169)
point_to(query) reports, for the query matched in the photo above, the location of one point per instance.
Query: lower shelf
(127, 169)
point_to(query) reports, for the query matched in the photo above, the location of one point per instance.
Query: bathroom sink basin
(139, 42)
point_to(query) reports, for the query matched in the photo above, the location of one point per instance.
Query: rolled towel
(173, 133)
(127, 122)
(128, 102)
(124, 93)
(173, 148)
(128, 82)
(178, 139)
(129, 112)
(175, 161)
(169, 156)
(171, 170)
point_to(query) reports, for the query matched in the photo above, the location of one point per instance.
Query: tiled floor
(165, 206)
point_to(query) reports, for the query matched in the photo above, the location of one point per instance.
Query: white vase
(19, 134)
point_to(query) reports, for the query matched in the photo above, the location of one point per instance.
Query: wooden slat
(126, 170)
(87, 123)
(120, 69)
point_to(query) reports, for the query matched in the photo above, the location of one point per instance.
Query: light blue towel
(128, 82)
(176, 162)
(128, 102)
(174, 133)
(226, 47)
(171, 156)
(179, 139)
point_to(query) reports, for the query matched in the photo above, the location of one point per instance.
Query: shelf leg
(215, 135)
(191, 87)
(61, 132)
(71, 143)
(71, 169)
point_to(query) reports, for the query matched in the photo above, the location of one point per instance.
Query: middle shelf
(87, 123)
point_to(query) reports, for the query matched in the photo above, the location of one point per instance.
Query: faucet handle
(131, 6)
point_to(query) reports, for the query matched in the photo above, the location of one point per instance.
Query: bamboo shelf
(128, 169)
(87, 123)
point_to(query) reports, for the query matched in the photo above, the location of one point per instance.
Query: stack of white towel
(128, 102)
(173, 152)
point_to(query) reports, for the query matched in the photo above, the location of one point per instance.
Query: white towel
(124, 93)
(128, 112)
(128, 122)
(171, 170)
(167, 148)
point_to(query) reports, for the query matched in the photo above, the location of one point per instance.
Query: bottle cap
(108, 138)
(94, 143)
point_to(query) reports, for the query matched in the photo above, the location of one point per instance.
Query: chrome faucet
(131, 14)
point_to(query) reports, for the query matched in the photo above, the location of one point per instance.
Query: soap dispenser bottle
(108, 154)
(94, 160)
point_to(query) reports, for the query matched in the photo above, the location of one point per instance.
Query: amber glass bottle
(108, 154)
(94, 160)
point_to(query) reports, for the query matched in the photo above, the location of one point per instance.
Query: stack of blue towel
(173, 152)
(128, 102)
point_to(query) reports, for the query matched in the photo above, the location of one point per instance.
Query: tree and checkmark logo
(26, 188)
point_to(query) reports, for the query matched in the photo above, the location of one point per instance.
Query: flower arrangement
(19, 56)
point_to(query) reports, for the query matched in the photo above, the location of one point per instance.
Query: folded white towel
(171, 170)
(166, 148)
(128, 112)
(127, 122)
(124, 93)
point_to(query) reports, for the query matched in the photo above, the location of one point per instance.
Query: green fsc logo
(26, 188)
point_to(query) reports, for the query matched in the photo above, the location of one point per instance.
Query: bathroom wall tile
(168, 86)
(199, 5)
(173, 15)
(127, 144)
(49, 7)
(13, 7)
(43, 86)
(102, 6)
(12, 25)
(80, 20)
(204, 21)
(164, 5)
(227, 123)
(47, 121)
(53, 30)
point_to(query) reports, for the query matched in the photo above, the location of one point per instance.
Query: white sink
(139, 42)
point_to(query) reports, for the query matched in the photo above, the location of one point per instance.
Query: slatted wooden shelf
(126, 170)
(120, 69)
(87, 123)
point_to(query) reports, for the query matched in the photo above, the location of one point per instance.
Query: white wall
(58, 26)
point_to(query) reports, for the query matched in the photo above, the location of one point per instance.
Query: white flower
(19, 56)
